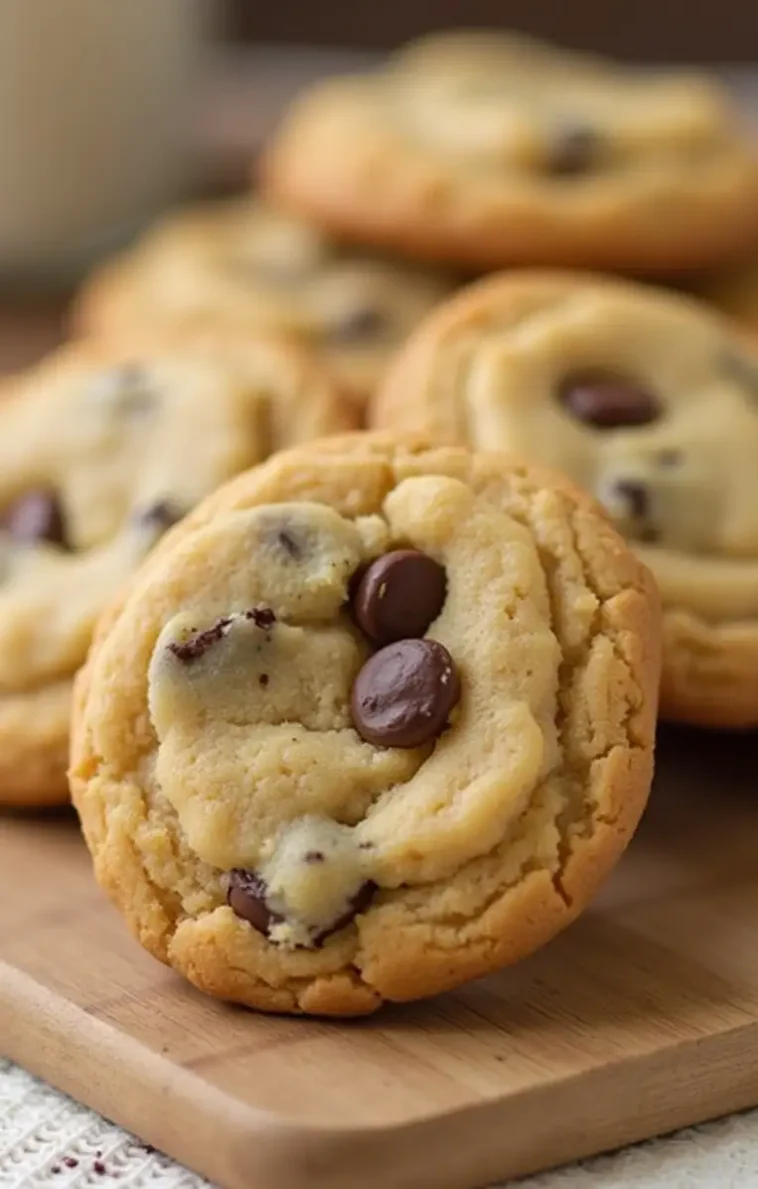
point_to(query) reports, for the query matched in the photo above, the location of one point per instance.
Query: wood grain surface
(641, 1018)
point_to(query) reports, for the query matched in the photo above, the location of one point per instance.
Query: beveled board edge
(239, 1147)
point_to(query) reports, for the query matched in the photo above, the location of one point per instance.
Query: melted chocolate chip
(161, 515)
(399, 595)
(246, 896)
(262, 617)
(607, 401)
(403, 694)
(359, 903)
(36, 516)
(362, 323)
(196, 646)
(247, 892)
(573, 149)
(263, 679)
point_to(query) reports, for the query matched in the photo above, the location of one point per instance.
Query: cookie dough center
(251, 702)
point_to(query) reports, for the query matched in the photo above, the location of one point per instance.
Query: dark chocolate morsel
(262, 617)
(399, 595)
(359, 903)
(196, 646)
(404, 693)
(608, 401)
(36, 516)
(246, 897)
(573, 149)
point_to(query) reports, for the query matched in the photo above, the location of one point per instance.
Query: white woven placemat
(47, 1141)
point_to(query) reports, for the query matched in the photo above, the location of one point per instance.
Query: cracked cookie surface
(101, 451)
(492, 150)
(377, 719)
(241, 264)
(647, 399)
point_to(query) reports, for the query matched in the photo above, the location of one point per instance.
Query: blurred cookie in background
(648, 400)
(488, 149)
(241, 264)
(102, 450)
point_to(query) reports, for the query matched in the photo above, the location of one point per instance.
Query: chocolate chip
(246, 896)
(635, 495)
(160, 515)
(196, 646)
(362, 323)
(404, 693)
(263, 679)
(573, 149)
(359, 903)
(262, 617)
(399, 595)
(608, 401)
(36, 516)
(313, 856)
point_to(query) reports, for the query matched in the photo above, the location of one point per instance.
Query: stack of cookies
(372, 627)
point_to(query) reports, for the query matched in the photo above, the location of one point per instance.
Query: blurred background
(110, 112)
(654, 30)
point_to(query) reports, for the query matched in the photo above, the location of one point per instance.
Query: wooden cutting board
(641, 1018)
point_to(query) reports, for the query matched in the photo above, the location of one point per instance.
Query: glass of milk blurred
(95, 110)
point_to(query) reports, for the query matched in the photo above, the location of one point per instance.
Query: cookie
(101, 450)
(241, 264)
(375, 720)
(489, 150)
(649, 400)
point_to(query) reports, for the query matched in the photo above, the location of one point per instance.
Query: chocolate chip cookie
(376, 719)
(241, 264)
(647, 399)
(101, 451)
(489, 149)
